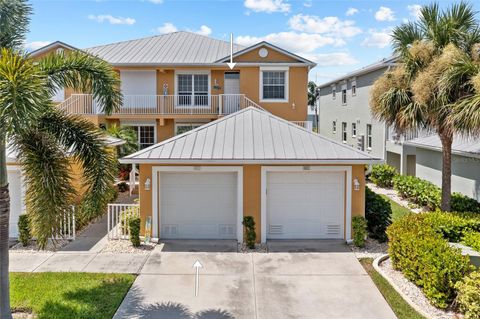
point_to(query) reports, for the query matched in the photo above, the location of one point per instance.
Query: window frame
(368, 136)
(354, 129)
(286, 84)
(344, 132)
(192, 73)
(194, 125)
(354, 87)
(334, 127)
(334, 92)
(136, 127)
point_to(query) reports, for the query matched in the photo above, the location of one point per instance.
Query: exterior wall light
(147, 184)
(356, 184)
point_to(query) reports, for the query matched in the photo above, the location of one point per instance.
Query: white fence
(66, 229)
(118, 216)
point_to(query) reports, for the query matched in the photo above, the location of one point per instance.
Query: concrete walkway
(92, 239)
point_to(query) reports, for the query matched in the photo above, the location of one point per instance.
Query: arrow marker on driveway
(197, 265)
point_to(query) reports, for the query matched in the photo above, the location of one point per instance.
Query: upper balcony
(162, 105)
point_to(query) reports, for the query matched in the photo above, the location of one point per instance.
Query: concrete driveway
(330, 283)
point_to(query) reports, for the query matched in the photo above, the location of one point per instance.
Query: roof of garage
(250, 135)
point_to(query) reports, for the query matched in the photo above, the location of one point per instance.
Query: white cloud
(167, 27)
(111, 19)
(384, 14)
(331, 59)
(351, 11)
(308, 3)
(299, 43)
(268, 6)
(34, 45)
(377, 38)
(204, 30)
(156, 1)
(331, 26)
(414, 10)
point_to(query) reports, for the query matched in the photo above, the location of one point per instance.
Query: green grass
(68, 295)
(399, 306)
(398, 211)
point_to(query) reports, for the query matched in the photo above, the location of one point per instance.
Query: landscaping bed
(125, 246)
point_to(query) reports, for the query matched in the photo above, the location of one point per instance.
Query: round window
(263, 52)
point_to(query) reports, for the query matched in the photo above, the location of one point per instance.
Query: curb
(376, 266)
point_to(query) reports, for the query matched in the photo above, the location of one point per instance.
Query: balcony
(223, 104)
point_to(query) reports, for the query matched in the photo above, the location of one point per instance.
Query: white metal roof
(461, 145)
(249, 136)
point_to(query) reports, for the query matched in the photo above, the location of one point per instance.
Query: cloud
(384, 14)
(167, 27)
(414, 10)
(111, 19)
(332, 59)
(351, 11)
(268, 6)
(34, 45)
(377, 38)
(204, 30)
(299, 43)
(308, 3)
(156, 1)
(331, 26)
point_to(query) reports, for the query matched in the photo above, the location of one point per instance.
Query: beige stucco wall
(251, 193)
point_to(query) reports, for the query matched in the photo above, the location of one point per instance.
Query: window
(344, 132)
(274, 84)
(354, 87)
(369, 136)
(334, 127)
(192, 89)
(354, 129)
(181, 128)
(145, 135)
(344, 96)
(334, 93)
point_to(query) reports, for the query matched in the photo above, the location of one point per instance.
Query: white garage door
(305, 205)
(17, 206)
(198, 205)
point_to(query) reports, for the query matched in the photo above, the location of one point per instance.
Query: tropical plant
(312, 93)
(45, 137)
(250, 234)
(434, 79)
(128, 135)
(359, 226)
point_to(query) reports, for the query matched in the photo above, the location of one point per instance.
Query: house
(295, 183)
(174, 82)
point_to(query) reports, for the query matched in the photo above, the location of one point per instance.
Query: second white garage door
(198, 205)
(305, 205)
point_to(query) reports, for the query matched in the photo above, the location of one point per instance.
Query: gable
(51, 48)
(272, 56)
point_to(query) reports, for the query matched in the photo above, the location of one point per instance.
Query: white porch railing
(67, 229)
(118, 216)
(132, 179)
(162, 104)
(305, 124)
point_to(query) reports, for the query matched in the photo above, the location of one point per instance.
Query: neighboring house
(465, 163)
(175, 82)
(295, 183)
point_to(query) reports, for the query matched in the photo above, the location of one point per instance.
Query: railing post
(220, 104)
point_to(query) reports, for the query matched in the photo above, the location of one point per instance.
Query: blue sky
(339, 35)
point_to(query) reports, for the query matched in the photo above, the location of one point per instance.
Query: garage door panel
(305, 205)
(198, 205)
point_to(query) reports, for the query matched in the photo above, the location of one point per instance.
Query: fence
(118, 216)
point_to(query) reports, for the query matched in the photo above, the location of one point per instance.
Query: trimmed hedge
(24, 230)
(425, 257)
(378, 213)
(359, 225)
(382, 175)
(134, 225)
(472, 239)
(453, 226)
(468, 298)
(250, 234)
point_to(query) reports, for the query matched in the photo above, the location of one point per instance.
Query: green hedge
(378, 213)
(382, 175)
(468, 297)
(425, 257)
(359, 225)
(472, 239)
(453, 226)
(134, 225)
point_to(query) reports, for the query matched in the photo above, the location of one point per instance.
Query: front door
(232, 98)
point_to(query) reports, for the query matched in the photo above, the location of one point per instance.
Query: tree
(128, 135)
(44, 136)
(419, 92)
(312, 93)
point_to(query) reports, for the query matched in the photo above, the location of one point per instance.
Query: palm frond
(85, 143)
(128, 135)
(403, 37)
(85, 73)
(465, 117)
(14, 20)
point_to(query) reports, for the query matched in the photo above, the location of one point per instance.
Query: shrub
(378, 213)
(472, 239)
(453, 226)
(462, 203)
(134, 225)
(122, 187)
(419, 191)
(359, 225)
(382, 175)
(426, 258)
(250, 235)
(468, 298)
(24, 230)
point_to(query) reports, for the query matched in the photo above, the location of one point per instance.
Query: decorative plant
(468, 298)
(382, 175)
(250, 235)
(378, 213)
(134, 225)
(359, 225)
(24, 232)
(123, 187)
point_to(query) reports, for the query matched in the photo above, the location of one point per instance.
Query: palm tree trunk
(446, 138)
(4, 224)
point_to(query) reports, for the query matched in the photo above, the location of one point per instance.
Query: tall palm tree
(44, 136)
(414, 94)
(128, 135)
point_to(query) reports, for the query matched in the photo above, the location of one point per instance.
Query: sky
(339, 35)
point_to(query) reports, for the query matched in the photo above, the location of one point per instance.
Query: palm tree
(44, 136)
(128, 135)
(414, 94)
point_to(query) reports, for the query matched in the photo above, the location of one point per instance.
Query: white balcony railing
(222, 104)
(308, 125)
(118, 217)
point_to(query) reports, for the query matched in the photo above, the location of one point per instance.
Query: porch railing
(118, 217)
(222, 104)
(305, 124)
(66, 228)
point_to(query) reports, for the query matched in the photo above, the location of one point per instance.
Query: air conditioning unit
(361, 142)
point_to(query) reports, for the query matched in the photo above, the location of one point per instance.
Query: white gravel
(372, 249)
(259, 248)
(414, 293)
(23, 315)
(393, 195)
(33, 248)
(125, 246)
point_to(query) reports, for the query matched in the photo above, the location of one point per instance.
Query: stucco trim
(348, 192)
(156, 170)
(261, 162)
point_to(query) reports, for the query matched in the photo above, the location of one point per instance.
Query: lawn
(398, 211)
(69, 295)
(399, 306)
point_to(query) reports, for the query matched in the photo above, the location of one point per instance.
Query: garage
(198, 205)
(305, 204)
(17, 203)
